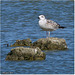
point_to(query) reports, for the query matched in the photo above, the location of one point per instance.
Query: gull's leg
(49, 34)
(46, 34)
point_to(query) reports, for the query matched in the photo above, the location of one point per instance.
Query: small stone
(25, 42)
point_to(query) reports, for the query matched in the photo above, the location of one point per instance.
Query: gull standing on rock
(48, 25)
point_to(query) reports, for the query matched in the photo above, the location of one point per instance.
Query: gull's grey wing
(52, 24)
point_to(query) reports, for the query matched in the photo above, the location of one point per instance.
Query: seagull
(48, 25)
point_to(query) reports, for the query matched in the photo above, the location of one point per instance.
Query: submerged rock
(21, 53)
(51, 44)
(25, 42)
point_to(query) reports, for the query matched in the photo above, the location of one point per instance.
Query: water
(20, 21)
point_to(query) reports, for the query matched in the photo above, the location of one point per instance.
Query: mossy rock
(51, 44)
(25, 42)
(21, 53)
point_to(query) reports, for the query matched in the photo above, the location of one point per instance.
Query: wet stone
(51, 44)
(25, 42)
(21, 53)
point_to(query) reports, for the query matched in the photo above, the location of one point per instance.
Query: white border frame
(74, 37)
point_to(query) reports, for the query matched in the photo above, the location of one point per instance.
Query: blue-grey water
(19, 20)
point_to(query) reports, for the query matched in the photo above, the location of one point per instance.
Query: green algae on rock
(51, 44)
(21, 53)
(25, 42)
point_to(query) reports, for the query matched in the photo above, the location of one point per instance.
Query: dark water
(20, 21)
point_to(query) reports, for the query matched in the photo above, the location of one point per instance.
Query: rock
(25, 42)
(21, 53)
(43, 43)
(51, 44)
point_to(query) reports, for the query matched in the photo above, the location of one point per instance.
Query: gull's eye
(42, 16)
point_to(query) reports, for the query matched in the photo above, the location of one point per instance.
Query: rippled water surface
(20, 21)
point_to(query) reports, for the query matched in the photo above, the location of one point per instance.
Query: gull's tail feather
(62, 27)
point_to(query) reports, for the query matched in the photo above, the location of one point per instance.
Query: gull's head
(41, 17)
